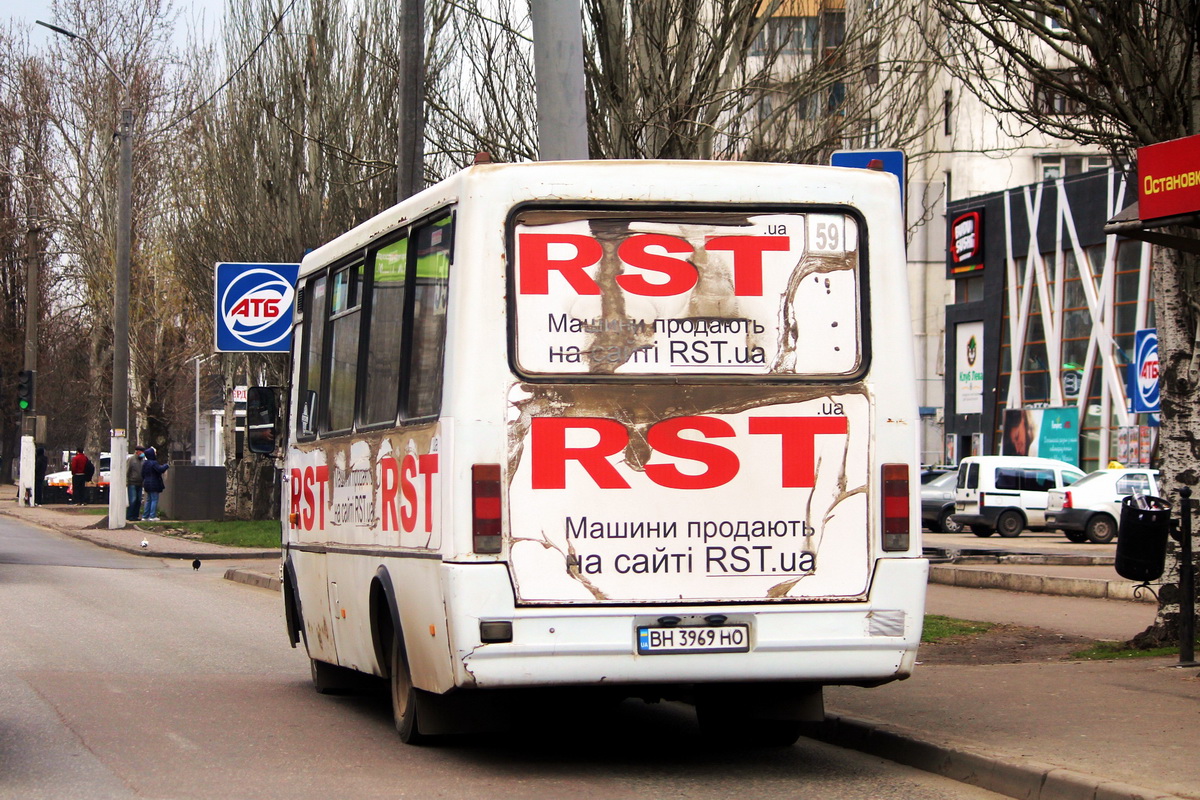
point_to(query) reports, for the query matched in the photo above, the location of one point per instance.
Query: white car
(1090, 508)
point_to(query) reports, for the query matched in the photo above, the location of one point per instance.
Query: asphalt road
(123, 676)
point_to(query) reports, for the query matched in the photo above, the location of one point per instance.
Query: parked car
(1090, 508)
(1007, 494)
(937, 502)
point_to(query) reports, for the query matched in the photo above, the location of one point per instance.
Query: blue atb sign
(892, 161)
(254, 304)
(1143, 373)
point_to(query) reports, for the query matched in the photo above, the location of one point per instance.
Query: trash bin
(1142, 537)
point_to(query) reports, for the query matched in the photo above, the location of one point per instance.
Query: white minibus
(647, 428)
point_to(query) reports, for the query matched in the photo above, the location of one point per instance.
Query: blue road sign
(893, 162)
(1143, 372)
(254, 305)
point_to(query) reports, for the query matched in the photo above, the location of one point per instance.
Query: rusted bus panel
(377, 488)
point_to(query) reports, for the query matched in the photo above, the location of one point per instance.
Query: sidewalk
(1105, 730)
(93, 527)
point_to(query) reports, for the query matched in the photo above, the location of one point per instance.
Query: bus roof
(647, 181)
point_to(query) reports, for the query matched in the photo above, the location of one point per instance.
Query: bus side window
(307, 418)
(424, 395)
(384, 344)
(345, 305)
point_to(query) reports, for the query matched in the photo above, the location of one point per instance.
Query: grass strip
(938, 627)
(232, 533)
(1107, 651)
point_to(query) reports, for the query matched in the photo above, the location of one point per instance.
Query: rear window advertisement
(686, 294)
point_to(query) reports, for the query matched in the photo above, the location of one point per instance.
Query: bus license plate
(663, 641)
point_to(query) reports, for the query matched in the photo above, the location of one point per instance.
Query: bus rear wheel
(404, 696)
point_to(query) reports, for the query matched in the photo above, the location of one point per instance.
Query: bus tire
(404, 696)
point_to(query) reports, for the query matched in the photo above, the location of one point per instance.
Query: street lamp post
(118, 443)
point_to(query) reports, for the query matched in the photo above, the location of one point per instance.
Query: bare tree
(296, 147)
(1120, 74)
(132, 66)
(772, 80)
(25, 225)
(480, 90)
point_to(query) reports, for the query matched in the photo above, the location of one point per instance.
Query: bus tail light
(895, 507)
(485, 508)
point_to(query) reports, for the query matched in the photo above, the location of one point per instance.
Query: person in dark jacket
(152, 483)
(133, 484)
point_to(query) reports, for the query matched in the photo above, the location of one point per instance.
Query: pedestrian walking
(81, 473)
(39, 474)
(152, 482)
(133, 484)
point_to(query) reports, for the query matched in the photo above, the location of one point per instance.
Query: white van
(1008, 494)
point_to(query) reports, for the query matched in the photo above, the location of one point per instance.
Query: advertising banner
(968, 369)
(964, 251)
(1143, 373)
(254, 305)
(1042, 432)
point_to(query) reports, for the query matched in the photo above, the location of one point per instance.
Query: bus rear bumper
(835, 642)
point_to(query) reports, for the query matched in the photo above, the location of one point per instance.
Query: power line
(234, 74)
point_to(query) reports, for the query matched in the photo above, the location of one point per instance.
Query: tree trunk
(1176, 316)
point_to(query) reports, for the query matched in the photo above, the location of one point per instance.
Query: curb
(249, 578)
(1020, 778)
(1097, 588)
(229, 555)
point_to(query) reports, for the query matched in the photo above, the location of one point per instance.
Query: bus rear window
(687, 293)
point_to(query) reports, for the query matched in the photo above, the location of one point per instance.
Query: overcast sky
(24, 12)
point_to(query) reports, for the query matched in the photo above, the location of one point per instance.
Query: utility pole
(118, 447)
(26, 482)
(410, 150)
(558, 67)
(120, 395)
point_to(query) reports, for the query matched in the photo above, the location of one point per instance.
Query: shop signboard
(1169, 178)
(968, 368)
(254, 306)
(964, 250)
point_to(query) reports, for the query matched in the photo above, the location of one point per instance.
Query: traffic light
(25, 390)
